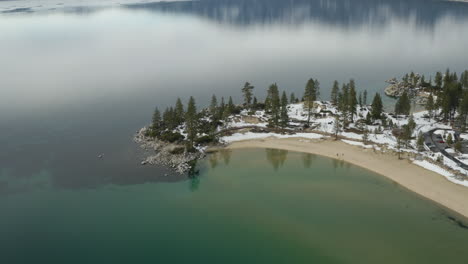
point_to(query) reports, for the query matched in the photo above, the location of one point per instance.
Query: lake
(78, 79)
(246, 206)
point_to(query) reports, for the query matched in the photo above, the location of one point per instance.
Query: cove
(245, 206)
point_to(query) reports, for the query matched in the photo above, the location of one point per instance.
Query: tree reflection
(213, 159)
(226, 154)
(308, 159)
(276, 157)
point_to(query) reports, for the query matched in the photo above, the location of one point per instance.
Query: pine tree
(458, 146)
(231, 106)
(284, 110)
(336, 127)
(352, 101)
(364, 100)
(179, 112)
(411, 124)
(191, 122)
(463, 110)
(274, 104)
(156, 124)
(430, 107)
(449, 139)
(310, 95)
(334, 92)
(255, 102)
(360, 99)
(221, 109)
(247, 93)
(292, 98)
(420, 142)
(343, 104)
(169, 119)
(213, 105)
(377, 107)
(438, 80)
(317, 89)
(403, 105)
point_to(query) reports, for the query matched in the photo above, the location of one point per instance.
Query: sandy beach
(417, 179)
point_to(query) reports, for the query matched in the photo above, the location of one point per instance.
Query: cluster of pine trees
(347, 102)
(451, 93)
(165, 125)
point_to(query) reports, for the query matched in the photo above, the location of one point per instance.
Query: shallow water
(246, 206)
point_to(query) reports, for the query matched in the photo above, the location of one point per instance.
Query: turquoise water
(246, 206)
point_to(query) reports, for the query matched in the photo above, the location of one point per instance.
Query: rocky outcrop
(166, 154)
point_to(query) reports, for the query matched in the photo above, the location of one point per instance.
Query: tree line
(201, 127)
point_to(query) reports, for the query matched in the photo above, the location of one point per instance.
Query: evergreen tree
(406, 136)
(221, 109)
(191, 118)
(317, 89)
(247, 93)
(438, 80)
(231, 106)
(403, 105)
(228, 109)
(458, 146)
(411, 124)
(334, 92)
(368, 119)
(464, 79)
(430, 107)
(292, 98)
(364, 99)
(156, 124)
(310, 95)
(343, 104)
(213, 105)
(449, 139)
(336, 127)
(463, 110)
(274, 104)
(360, 99)
(284, 110)
(255, 102)
(377, 107)
(352, 101)
(420, 142)
(169, 119)
(179, 112)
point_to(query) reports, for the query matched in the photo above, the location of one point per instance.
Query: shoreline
(426, 183)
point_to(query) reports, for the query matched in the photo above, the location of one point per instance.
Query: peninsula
(426, 151)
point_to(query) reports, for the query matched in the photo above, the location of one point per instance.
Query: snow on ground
(323, 120)
(356, 143)
(250, 135)
(432, 167)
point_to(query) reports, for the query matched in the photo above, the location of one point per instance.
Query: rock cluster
(164, 153)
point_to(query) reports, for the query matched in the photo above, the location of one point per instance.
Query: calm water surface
(78, 78)
(249, 206)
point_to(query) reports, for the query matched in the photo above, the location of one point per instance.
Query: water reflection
(308, 159)
(276, 157)
(338, 13)
(222, 154)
